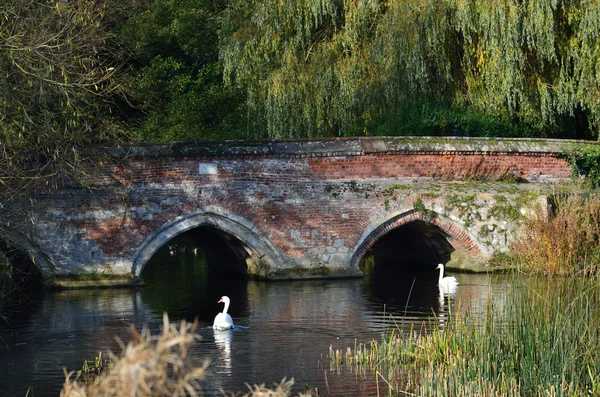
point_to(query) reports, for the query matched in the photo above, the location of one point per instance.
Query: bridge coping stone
(346, 146)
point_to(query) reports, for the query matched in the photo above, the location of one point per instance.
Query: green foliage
(178, 78)
(428, 118)
(585, 161)
(331, 67)
(301, 63)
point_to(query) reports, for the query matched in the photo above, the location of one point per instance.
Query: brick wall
(292, 203)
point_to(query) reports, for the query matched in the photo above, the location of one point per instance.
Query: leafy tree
(330, 67)
(61, 81)
(178, 76)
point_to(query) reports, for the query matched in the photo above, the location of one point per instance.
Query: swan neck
(226, 307)
(441, 273)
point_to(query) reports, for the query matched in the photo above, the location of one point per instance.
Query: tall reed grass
(543, 339)
(565, 243)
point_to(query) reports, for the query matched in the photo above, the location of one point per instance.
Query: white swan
(446, 282)
(223, 320)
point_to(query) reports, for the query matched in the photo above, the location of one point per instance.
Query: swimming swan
(223, 320)
(445, 282)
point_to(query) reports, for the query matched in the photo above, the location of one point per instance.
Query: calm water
(288, 326)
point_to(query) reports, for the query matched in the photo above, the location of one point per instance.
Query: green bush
(585, 161)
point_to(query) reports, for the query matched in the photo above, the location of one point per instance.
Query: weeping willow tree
(329, 67)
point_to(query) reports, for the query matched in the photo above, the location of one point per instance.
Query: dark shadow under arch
(30, 251)
(262, 255)
(21, 280)
(439, 237)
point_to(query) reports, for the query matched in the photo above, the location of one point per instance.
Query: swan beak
(220, 300)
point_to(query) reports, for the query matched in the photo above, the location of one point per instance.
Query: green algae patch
(95, 280)
(321, 272)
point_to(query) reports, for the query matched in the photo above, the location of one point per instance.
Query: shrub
(434, 118)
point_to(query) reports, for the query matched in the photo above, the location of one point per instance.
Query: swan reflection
(223, 342)
(447, 294)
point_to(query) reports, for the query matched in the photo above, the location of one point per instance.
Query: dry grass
(148, 366)
(283, 389)
(158, 366)
(568, 243)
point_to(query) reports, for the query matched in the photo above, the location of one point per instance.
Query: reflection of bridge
(298, 208)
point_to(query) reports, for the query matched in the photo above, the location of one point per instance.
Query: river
(286, 327)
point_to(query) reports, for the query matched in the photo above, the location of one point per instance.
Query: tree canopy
(330, 67)
(177, 73)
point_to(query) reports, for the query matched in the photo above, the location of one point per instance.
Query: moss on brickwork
(419, 206)
(258, 269)
(466, 207)
(466, 144)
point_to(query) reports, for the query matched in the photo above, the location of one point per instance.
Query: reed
(542, 339)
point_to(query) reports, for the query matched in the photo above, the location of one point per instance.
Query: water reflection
(223, 342)
(286, 327)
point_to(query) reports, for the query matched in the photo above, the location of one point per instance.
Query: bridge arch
(262, 255)
(461, 241)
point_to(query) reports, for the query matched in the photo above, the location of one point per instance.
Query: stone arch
(35, 254)
(461, 240)
(264, 256)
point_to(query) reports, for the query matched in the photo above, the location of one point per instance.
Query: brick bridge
(309, 208)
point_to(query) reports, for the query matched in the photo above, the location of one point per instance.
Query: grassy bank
(541, 340)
